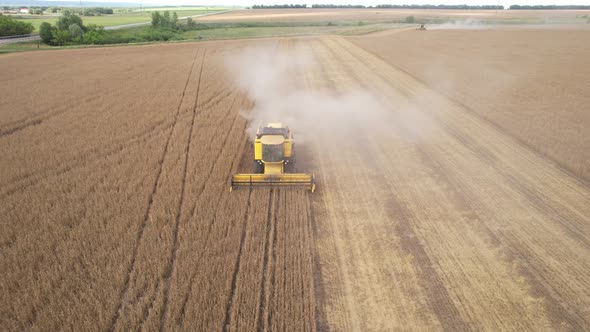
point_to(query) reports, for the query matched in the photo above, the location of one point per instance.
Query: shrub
(45, 31)
(68, 30)
(156, 19)
(10, 27)
(67, 19)
(76, 32)
(94, 35)
(410, 19)
(157, 35)
(165, 20)
(60, 37)
(173, 22)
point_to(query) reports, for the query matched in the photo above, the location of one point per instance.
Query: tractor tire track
(212, 138)
(528, 265)
(125, 289)
(269, 241)
(228, 309)
(537, 199)
(511, 169)
(16, 129)
(440, 302)
(320, 294)
(9, 128)
(91, 156)
(487, 121)
(170, 267)
(232, 169)
(264, 324)
(341, 281)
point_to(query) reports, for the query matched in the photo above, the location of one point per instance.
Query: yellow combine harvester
(274, 161)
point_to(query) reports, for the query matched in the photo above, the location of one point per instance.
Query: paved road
(20, 39)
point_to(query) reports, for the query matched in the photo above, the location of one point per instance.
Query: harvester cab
(274, 161)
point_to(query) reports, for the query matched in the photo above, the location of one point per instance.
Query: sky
(506, 3)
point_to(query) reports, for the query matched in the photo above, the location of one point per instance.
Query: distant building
(23, 10)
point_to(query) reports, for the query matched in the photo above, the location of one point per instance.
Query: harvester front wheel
(290, 166)
(258, 167)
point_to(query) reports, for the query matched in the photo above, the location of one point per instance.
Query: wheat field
(116, 212)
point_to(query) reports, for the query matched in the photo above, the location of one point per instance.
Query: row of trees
(69, 30)
(164, 20)
(37, 10)
(97, 11)
(11, 27)
(551, 7)
(381, 6)
(278, 6)
(337, 6)
(456, 7)
(92, 11)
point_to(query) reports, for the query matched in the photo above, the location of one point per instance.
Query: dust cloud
(466, 24)
(273, 79)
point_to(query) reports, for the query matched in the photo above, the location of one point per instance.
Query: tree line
(336, 6)
(456, 7)
(11, 27)
(381, 6)
(69, 30)
(164, 20)
(90, 11)
(550, 7)
(278, 6)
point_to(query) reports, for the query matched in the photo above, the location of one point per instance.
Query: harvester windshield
(272, 153)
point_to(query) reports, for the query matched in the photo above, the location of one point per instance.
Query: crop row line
(92, 155)
(267, 241)
(9, 128)
(209, 225)
(140, 232)
(170, 267)
(234, 280)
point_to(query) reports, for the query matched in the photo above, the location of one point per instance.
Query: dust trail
(466, 24)
(266, 75)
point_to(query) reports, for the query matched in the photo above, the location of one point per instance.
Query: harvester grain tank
(274, 161)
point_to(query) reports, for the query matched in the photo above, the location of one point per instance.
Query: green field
(257, 32)
(213, 31)
(123, 18)
(179, 9)
(226, 33)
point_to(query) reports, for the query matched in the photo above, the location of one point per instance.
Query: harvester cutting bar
(273, 180)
